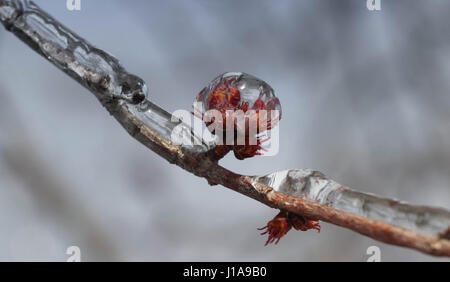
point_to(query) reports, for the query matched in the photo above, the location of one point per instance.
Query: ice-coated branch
(302, 191)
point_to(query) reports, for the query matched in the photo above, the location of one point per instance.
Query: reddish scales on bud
(236, 93)
(283, 222)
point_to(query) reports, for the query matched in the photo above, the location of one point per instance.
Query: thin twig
(304, 192)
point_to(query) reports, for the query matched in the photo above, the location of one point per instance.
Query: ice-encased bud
(233, 91)
(238, 107)
(251, 91)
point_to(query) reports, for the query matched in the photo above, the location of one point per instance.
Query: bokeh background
(365, 99)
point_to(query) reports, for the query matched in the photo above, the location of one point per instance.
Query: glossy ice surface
(237, 91)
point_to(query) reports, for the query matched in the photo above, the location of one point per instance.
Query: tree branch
(302, 191)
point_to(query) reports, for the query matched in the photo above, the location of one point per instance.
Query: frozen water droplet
(238, 90)
(247, 107)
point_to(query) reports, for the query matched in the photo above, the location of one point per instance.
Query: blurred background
(365, 100)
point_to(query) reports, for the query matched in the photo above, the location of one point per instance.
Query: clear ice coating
(316, 187)
(9, 10)
(237, 91)
(166, 124)
(95, 69)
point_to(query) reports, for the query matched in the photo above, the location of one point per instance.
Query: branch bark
(304, 192)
